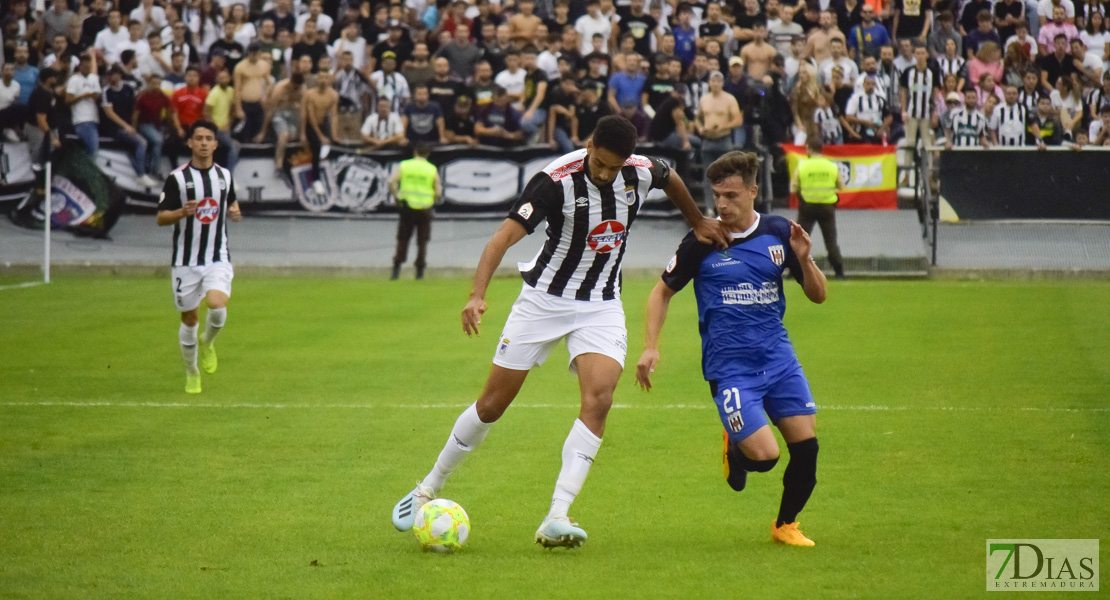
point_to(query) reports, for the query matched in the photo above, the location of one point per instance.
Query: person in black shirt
(443, 88)
(459, 123)
(376, 29)
(1056, 64)
(589, 111)
(659, 88)
(41, 128)
(640, 25)
(233, 51)
(394, 42)
(310, 45)
(669, 126)
(282, 16)
(118, 104)
(94, 23)
(562, 122)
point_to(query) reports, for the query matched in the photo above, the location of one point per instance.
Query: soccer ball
(442, 525)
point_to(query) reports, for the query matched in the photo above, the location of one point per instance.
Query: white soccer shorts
(191, 284)
(539, 320)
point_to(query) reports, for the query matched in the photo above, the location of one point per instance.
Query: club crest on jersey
(630, 195)
(207, 210)
(778, 255)
(223, 184)
(607, 236)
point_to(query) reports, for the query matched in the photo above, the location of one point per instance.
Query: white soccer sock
(213, 323)
(578, 454)
(468, 433)
(188, 337)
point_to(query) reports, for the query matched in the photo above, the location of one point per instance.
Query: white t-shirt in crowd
(109, 43)
(375, 128)
(587, 26)
(1044, 8)
(87, 110)
(157, 18)
(8, 93)
(357, 49)
(323, 24)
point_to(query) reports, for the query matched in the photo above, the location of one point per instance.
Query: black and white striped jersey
(919, 86)
(967, 127)
(587, 226)
(202, 238)
(950, 66)
(1029, 99)
(1009, 122)
(829, 125)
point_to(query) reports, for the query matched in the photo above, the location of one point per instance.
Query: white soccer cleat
(404, 514)
(560, 532)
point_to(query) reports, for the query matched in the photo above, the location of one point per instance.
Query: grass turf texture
(222, 501)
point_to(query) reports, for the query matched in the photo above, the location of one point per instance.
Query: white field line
(395, 406)
(27, 284)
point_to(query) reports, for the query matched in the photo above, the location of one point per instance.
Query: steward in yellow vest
(416, 186)
(816, 181)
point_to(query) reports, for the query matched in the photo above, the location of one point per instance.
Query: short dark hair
(984, 15)
(45, 74)
(422, 149)
(616, 134)
(814, 144)
(735, 163)
(202, 124)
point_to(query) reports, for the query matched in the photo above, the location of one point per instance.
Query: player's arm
(233, 204)
(659, 300)
(813, 280)
(170, 210)
(508, 234)
(708, 231)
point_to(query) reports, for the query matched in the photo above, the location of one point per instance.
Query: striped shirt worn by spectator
(201, 239)
(967, 128)
(950, 66)
(919, 87)
(1010, 122)
(1029, 99)
(829, 125)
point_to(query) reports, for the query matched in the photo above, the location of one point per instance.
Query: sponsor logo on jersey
(581, 201)
(567, 169)
(207, 210)
(525, 210)
(189, 185)
(725, 261)
(778, 255)
(607, 236)
(638, 161)
(747, 294)
(674, 263)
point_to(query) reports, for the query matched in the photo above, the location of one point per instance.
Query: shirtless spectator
(718, 115)
(757, 54)
(320, 108)
(252, 80)
(817, 46)
(283, 113)
(522, 26)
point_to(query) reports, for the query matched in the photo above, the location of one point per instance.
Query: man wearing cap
(389, 83)
(251, 83)
(718, 115)
(816, 180)
(393, 43)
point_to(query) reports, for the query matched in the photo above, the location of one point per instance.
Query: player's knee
(597, 402)
(189, 318)
(490, 409)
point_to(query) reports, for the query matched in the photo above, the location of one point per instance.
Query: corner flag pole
(48, 212)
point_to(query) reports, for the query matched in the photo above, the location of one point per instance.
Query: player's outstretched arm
(813, 280)
(508, 234)
(708, 231)
(659, 300)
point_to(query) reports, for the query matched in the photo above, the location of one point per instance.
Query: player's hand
(799, 241)
(190, 208)
(234, 212)
(712, 231)
(646, 367)
(472, 315)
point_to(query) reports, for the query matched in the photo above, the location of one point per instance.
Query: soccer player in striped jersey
(198, 199)
(571, 291)
(747, 358)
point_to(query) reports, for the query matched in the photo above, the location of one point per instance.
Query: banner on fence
(82, 200)
(870, 174)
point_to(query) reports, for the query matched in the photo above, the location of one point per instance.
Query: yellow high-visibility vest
(817, 180)
(416, 185)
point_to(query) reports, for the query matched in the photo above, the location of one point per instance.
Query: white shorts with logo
(190, 284)
(539, 320)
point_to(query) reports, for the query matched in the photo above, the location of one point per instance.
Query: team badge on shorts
(504, 346)
(778, 255)
(735, 422)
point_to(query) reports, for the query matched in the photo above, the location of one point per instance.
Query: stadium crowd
(695, 76)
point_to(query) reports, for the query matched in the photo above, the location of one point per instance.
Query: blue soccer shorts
(744, 403)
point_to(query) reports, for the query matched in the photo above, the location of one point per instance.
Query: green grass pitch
(941, 425)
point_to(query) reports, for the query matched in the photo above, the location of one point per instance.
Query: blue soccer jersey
(740, 298)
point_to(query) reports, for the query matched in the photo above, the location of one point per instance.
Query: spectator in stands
(589, 111)
(757, 54)
(1046, 127)
(1008, 124)
(986, 89)
(497, 47)
(423, 119)
(1096, 36)
(208, 27)
(827, 120)
(355, 92)
(498, 123)
(111, 41)
(1100, 97)
(1016, 64)
(1046, 11)
(713, 27)
(320, 110)
(232, 49)
(309, 44)
(152, 18)
(1088, 67)
(61, 56)
(869, 114)
(389, 83)
(594, 23)
(985, 32)
(218, 107)
(1031, 90)
(818, 42)
(1057, 63)
(1099, 132)
(317, 15)
(26, 75)
(837, 58)
(459, 122)
(840, 90)
(419, 69)
(781, 29)
(12, 114)
(82, 96)
(670, 126)
(41, 128)
(512, 78)
(1046, 39)
(152, 113)
(912, 19)
(283, 113)
(384, 127)
(969, 15)
(949, 84)
(188, 102)
(870, 35)
(217, 61)
(697, 84)
(627, 86)
(942, 31)
(685, 35)
(352, 42)
(395, 43)
(462, 54)
(986, 61)
(152, 60)
(273, 49)
(562, 122)
(717, 117)
(882, 80)
(803, 100)
(251, 84)
(967, 126)
(1067, 101)
(481, 86)
(533, 102)
(118, 104)
(632, 112)
(1007, 15)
